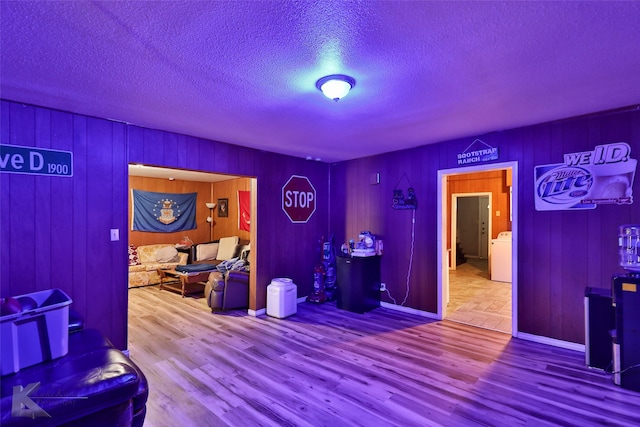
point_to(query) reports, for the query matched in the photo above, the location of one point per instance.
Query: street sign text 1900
(35, 161)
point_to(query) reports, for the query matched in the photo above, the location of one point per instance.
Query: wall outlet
(383, 287)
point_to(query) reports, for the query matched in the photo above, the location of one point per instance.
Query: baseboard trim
(551, 341)
(256, 313)
(409, 310)
(528, 337)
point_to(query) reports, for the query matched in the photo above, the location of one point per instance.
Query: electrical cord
(413, 239)
(392, 298)
(625, 369)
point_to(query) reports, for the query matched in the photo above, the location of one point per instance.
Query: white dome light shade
(335, 86)
(335, 89)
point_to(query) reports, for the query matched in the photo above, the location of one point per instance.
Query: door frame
(253, 231)
(441, 241)
(454, 223)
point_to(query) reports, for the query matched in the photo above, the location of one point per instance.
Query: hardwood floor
(329, 367)
(476, 300)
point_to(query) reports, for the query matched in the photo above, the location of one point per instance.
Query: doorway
(474, 275)
(211, 224)
(470, 226)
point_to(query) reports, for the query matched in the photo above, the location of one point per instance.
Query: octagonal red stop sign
(298, 198)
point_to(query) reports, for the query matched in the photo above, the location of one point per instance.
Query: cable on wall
(413, 239)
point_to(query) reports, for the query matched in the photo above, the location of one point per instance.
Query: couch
(110, 389)
(227, 291)
(220, 250)
(145, 260)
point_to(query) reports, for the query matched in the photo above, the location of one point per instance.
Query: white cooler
(282, 298)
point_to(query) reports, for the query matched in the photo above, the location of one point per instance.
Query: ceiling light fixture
(335, 86)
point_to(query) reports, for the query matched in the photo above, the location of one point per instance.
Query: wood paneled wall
(207, 192)
(228, 226)
(198, 235)
(494, 182)
(56, 231)
(280, 248)
(559, 252)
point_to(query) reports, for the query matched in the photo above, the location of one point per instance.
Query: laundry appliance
(501, 257)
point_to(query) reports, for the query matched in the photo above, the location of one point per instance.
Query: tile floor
(476, 300)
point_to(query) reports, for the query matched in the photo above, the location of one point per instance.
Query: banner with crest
(163, 212)
(244, 210)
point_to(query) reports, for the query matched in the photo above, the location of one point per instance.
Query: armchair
(226, 292)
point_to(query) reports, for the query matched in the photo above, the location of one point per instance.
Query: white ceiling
(245, 72)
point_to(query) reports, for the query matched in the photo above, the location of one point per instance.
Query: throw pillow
(167, 254)
(206, 251)
(133, 255)
(227, 248)
(244, 251)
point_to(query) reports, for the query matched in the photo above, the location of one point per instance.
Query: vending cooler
(599, 321)
(626, 300)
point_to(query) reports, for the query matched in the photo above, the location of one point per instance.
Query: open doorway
(219, 212)
(466, 292)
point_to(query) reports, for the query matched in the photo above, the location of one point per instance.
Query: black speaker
(358, 283)
(599, 319)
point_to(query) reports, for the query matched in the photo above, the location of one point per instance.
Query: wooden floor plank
(329, 367)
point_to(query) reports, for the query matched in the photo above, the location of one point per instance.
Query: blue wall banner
(163, 212)
(35, 161)
(587, 179)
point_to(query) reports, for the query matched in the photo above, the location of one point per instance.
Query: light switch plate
(115, 234)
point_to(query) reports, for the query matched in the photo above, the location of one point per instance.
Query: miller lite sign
(587, 179)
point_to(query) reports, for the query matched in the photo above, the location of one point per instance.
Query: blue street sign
(35, 161)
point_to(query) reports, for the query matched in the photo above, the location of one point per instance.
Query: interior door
(473, 225)
(468, 225)
(483, 212)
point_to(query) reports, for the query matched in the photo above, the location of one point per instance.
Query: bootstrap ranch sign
(587, 179)
(484, 153)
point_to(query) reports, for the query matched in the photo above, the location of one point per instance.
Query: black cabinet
(358, 283)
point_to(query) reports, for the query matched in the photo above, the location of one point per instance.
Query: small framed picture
(223, 207)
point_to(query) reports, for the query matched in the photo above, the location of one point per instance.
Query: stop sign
(298, 198)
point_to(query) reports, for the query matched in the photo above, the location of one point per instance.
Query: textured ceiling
(245, 72)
